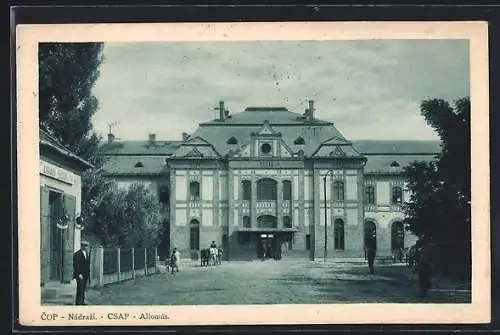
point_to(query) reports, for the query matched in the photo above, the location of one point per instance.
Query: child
(175, 260)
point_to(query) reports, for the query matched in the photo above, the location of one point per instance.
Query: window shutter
(69, 241)
(44, 235)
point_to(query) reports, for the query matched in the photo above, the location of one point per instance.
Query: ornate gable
(338, 152)
(266, 129)
(194, 153)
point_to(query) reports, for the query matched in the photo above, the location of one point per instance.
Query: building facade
(60, 204)
(270, 181)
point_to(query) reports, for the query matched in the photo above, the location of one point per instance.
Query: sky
(370, 89)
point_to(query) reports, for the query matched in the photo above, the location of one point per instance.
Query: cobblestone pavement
(276, 282)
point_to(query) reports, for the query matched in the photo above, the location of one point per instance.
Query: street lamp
(329, 172)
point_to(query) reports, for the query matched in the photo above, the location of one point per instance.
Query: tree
(121, 217)
(67, 74)
(439, 205)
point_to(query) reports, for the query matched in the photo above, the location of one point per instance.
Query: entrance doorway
(268, 246)
(56, 236)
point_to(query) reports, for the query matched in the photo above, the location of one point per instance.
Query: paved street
(276, 282)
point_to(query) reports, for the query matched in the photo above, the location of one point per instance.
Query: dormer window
(394, 164)
(139, 165)
(299, 141)
(232, 140)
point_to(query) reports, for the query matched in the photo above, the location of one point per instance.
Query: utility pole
(326, 224)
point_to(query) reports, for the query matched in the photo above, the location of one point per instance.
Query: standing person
(81, 272)
(371, 252)
(423, 267)
(175, 260)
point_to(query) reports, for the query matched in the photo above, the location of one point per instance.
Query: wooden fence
(112, 265)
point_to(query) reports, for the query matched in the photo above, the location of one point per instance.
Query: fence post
(118, 265)
(133, 264)
(145, 261)
(157, 260)
(100, 258)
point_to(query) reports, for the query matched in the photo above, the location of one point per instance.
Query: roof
(257, 115)
(49, 142)
(320, 139)
(368, 147)
(290, 126)
(129, 165)
(382, 163)
(162, 148)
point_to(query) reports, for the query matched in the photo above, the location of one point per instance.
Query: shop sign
(56, 172)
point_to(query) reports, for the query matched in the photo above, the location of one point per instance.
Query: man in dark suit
(81, 272)
(371, 252)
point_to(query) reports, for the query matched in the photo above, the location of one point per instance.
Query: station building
(271, 179)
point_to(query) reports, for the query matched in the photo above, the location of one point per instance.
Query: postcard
(253, 173)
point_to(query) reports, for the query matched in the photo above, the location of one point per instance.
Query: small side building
(60, 205)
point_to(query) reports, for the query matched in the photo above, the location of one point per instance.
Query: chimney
(152, 139)
(221, 111)
(111, 138)
(185, 136)
(310, 111)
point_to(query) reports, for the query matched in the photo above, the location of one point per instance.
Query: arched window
(194, 190)
(338, 190)
(370, 232)
(397, 195)
(266, 189)
(232, 140)
(194, 235)
(246, 222)
(299, 141)
(287, 190)
(370, 194)
(139, 164)
(339, 234)
(247, 189)
(287, 221)
(397, 236)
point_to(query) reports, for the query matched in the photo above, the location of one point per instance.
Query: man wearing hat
(81, 272)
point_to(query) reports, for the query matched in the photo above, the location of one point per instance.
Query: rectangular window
(338, 190)
(397, 195)
(164, 196)
(247, 190)
(370, 194)
(308, 242)
(287, 190)
(194, 190)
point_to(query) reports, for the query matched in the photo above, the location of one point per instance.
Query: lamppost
(329, 172)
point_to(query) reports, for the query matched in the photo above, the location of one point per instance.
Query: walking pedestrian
(81, 272)
(423, 267)
(175, 260)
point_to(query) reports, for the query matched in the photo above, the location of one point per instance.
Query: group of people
(420, 259)
(212, 254)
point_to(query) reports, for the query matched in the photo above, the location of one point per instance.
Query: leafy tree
(122, 218)
(111, 216)
(439, 205)
(67, 74)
